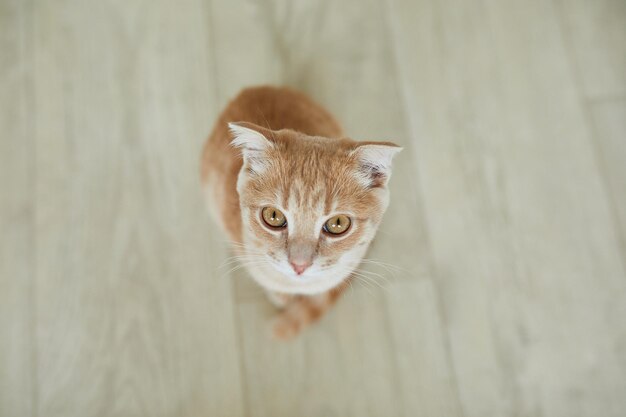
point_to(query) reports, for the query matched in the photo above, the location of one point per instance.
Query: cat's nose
(300, 268)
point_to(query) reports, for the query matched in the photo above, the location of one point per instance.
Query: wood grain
(596, 36)
(507, 289)
(18, 366)
(127, 310)
(521, 232)
(609, 126)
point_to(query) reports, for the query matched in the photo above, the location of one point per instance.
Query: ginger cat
(300, 201)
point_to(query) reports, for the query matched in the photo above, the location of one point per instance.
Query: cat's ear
(375, 160)
(253, 142)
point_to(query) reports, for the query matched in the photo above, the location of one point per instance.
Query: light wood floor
(507, 223)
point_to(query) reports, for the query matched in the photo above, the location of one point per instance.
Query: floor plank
(609, 122)
(523, 241)
(339, 368)
(244, 53)
(428, 384)
(596, 36)
(127, 310)
(17, 350)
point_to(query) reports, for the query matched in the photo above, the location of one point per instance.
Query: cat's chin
(303, 285)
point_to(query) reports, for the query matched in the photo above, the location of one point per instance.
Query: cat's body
(299, 202)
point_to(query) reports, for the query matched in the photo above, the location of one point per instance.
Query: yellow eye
(273, 217)
(337, 225)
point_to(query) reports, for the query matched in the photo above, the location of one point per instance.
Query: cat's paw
(300, 313)
(285, 328)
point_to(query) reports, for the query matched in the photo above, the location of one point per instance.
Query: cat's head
(310, 206)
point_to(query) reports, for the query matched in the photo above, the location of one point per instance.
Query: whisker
(387, 266)
(240, 258)
(374, 275)
(246, 264)
(364, 284)
(371, 281)
(241, 245)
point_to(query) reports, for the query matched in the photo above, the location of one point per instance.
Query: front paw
(285, 327)
(300, 313)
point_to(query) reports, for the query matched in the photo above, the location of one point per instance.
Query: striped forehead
(305, 198)
(305, 206)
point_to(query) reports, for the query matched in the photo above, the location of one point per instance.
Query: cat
(300, 202)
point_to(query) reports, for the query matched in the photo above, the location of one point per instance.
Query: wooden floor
(507, 223)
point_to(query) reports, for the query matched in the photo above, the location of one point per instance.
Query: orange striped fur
(275, 147)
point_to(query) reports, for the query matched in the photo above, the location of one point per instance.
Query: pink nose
(299, 268)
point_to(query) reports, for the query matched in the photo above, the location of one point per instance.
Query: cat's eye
(337, 225)
(273, 217)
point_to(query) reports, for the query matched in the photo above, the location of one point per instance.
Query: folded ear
(375, 162)
(253, 142)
